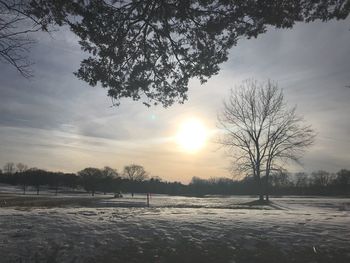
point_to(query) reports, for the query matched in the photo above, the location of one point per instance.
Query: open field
(176, 229)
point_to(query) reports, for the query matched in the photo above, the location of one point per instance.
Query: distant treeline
(134, 179)
(281, 183)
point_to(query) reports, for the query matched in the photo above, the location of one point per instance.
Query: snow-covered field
(179, 229)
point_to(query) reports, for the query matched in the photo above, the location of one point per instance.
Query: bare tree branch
(261, 132)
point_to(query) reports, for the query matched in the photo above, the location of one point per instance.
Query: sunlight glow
(192, 135)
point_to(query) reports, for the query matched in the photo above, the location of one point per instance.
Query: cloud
(56, 121)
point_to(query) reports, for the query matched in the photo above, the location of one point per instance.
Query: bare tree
(302, 179)
(280, 179)
(109, 182)
(321, 178)
(135, 172)
(9, 168)
(90, 178)
(261, 132)
(21, 167)
(109, 172)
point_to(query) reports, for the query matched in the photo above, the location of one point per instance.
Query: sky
(55, 121)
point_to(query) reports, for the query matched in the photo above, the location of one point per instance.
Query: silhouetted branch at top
(149, 49)
(16, 26)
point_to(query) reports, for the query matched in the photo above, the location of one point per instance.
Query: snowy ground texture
(179, 229)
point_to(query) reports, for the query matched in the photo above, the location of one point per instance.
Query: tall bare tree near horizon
(9, 168)
(261, 132)
(21, 167)
(135, 173)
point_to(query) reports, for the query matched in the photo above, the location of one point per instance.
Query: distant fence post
(147, 199)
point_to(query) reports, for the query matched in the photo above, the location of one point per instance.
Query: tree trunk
(24, 189)
(267, 187)
(261, 197)
(268, 168)
(260, 189)
(260, 184)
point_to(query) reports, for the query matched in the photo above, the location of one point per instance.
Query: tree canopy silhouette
(148, 50)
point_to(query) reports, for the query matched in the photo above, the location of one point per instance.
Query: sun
(192, 135)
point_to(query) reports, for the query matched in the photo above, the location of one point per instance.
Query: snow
(179, 229)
